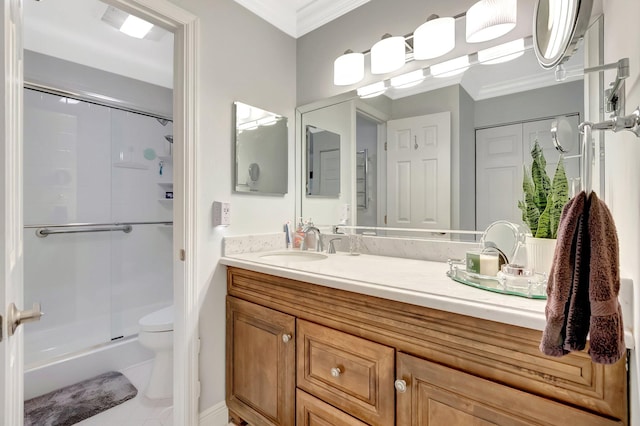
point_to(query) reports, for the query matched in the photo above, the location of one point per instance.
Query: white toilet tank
(158, 321)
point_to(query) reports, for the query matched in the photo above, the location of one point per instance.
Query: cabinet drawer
(310, 411)
(353, 374)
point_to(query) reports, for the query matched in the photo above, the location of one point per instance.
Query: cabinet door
(260, 364)
(437, 395)
(310, 411)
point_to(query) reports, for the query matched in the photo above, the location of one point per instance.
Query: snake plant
(544, 199)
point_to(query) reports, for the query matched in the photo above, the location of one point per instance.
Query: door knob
(15, 317)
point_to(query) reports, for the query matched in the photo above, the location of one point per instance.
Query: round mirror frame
(579, 24)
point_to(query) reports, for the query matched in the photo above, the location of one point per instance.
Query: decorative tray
(532, 287)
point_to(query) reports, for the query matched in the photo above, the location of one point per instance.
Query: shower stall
(98, 215)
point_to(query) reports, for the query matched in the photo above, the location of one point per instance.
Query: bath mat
(72, 404)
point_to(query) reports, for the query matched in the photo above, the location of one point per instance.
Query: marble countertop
(418, 282)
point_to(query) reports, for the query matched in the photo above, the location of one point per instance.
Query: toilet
(156, 334)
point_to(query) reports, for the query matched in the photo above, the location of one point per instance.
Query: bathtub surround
(72, 404)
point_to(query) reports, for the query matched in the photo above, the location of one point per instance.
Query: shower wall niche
(89, 167)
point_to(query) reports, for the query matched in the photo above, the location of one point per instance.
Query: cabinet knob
(286, 338)
(335, 371)
(401, 386)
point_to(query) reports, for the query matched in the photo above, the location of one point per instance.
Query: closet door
(499, 159)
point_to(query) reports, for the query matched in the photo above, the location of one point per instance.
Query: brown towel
(584, 283)
(606, 332)
(562, 277)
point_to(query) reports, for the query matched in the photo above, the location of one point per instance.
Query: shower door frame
(184, 25)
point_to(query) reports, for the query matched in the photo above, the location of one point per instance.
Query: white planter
(540, 253)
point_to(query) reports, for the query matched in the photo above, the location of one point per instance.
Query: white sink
(293, 256)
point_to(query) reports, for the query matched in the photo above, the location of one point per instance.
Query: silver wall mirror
(323, 162)
(558, 26)
(261, 151)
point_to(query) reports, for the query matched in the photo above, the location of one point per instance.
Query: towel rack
(74, 228)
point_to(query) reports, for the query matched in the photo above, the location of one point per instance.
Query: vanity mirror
(261, 142)
(466, 180)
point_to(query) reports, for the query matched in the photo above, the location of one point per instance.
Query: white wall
(241, 58)
(621, 39)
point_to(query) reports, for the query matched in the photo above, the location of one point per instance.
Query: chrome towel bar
(43, 232)
(74, 228)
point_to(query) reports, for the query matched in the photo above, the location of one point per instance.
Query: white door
(329, 172)
(499, 159)
(419, 172)
(11, 387)
(501, 153)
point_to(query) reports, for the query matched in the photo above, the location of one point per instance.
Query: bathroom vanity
(307, 346)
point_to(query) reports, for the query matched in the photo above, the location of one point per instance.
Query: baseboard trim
(217, 415)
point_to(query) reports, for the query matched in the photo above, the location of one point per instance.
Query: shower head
(162, 121)
(169, 138)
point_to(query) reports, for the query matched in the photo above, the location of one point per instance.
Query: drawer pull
(335, 371)
(286, 338)
(401, 386)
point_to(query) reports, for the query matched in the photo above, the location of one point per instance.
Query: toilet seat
(158, 321)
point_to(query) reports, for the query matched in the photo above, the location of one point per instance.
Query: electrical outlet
(221, 213)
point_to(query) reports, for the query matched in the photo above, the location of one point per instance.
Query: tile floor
(139, 411)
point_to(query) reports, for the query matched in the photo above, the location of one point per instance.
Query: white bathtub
(83, 365)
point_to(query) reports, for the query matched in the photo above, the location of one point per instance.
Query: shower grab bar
(44, 230)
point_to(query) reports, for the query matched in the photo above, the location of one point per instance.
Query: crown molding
(296, 23)
(278, 13)
(316, 13)
(522, 84)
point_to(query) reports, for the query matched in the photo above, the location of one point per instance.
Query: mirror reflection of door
(418, 172)
(323, 162)
(501, 152)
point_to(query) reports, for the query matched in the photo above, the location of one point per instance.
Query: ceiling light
(372, 90)
(348, 68)
(388, 54)
(136, 27)
(502, 53)
(489, 19)
(450, 68)
(407, 80)
(434, 38)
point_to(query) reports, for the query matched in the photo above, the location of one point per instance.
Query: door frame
(184, 25)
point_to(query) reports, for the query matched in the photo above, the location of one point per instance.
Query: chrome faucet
(314, 230)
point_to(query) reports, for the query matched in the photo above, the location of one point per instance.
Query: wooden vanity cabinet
(447, 369)
(261, 362)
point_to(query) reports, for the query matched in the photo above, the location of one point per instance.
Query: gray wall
(241, 58)
(73, 77)
(467, 162)
(359, 29)
(540, 103)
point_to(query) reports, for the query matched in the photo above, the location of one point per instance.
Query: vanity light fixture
(502, 53)
(388, 54)
(348, 68)
(451, 67)
(489, 19)
(372, 90)
(434, 38)
(407, 80)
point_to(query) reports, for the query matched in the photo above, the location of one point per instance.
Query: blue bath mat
(72, 404)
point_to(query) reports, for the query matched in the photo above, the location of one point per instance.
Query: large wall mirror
(260, 151)
(448, 153)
